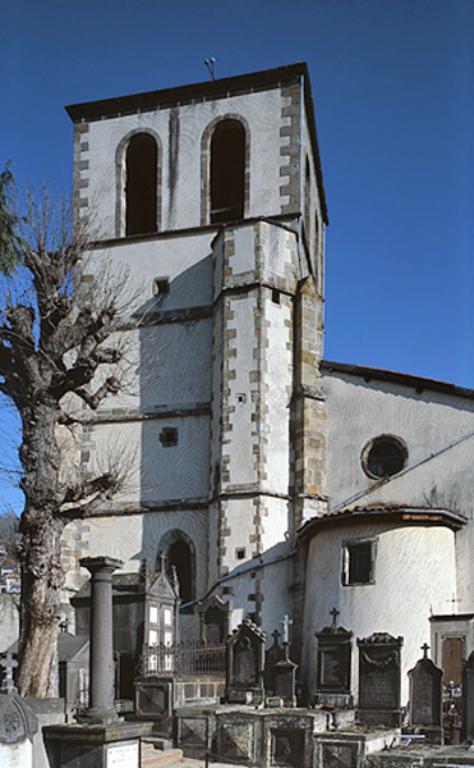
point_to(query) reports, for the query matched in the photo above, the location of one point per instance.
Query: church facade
(275, 482)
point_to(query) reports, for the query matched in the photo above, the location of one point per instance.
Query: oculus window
(384, 456)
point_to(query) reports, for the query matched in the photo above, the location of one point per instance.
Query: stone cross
(425, 648)
(162, 557)
(334, 613)
(8, 663)
(286, 623)
(275, 635)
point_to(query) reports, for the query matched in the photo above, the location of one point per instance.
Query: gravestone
(245, 663)
(214, 619)
(333, 666)
(284, 673)
(18, 724)
(425, 697)
(468, 699)
(272, 656)
(379, 679)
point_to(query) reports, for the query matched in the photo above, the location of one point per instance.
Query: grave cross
(162, 557)
(275, 635)
(334, 613)
(286, 623)
(425, 648)
(8, 663)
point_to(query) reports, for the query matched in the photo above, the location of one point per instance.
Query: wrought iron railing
(182, 659)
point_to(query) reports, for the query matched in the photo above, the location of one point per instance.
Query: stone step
(156, 758)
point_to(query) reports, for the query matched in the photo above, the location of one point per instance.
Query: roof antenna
(210, 66)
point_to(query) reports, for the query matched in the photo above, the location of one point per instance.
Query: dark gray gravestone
(333, 668)
(468, 699)
(272, 656)
(425, 697)
(284, 673)
(245, 660)
(379, 679)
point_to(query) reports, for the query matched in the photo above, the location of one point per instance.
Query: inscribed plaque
(124, 755)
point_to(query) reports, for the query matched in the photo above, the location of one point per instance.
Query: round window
(384, 456)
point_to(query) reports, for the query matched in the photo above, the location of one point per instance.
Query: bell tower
(211, 197)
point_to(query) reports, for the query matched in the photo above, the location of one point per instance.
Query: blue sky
(393, 86)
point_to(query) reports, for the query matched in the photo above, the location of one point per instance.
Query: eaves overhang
(402, 515)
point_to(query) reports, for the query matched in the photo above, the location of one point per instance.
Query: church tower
(211, 197)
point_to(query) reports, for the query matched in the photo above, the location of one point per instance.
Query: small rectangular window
(161, 286)
(240, 553)
(275, 295)
(358, 563)
(168, 437)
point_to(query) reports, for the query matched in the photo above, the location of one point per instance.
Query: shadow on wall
(175, 388)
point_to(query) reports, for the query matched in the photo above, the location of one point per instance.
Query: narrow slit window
(141, 185)
(227, 172)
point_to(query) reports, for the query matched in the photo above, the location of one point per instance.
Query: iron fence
(183, 659)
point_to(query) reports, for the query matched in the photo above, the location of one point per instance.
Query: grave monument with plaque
(333, 666)
(379, 679)
(245, 662)
(101, 739)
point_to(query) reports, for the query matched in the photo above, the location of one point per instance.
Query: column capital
(96, 564)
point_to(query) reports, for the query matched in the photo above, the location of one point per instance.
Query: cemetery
(270, 586)
(242, 706)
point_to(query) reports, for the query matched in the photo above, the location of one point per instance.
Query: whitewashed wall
(428, 422)
(415, 575)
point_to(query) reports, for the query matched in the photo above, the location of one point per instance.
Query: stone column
(101, 661)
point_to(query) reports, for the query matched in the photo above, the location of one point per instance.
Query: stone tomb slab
(87, 746)
(350, 749)
(236, 741)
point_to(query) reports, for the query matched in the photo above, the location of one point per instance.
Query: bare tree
(59, 328)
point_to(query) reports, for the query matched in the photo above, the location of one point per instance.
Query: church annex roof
(208, 90)
(392, 513)
(419, 383)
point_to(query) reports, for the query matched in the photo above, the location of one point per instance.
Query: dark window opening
(141, 185)
(161, 286)
(227, 171)
(168, 437)
(385, 456)
(307, 190)
(240, 553)
(359, 563)
(180, 556)
(275, 295)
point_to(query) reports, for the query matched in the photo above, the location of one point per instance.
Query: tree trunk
(42, 579)
(42, 576)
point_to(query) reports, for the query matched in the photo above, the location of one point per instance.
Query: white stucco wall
(181, 172)
(428, 422)
(415, 575)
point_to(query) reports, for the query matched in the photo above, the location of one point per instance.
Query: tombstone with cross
(8, 665)
(284, 671)
(333, 665)
(18, 724)
(425, 697)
